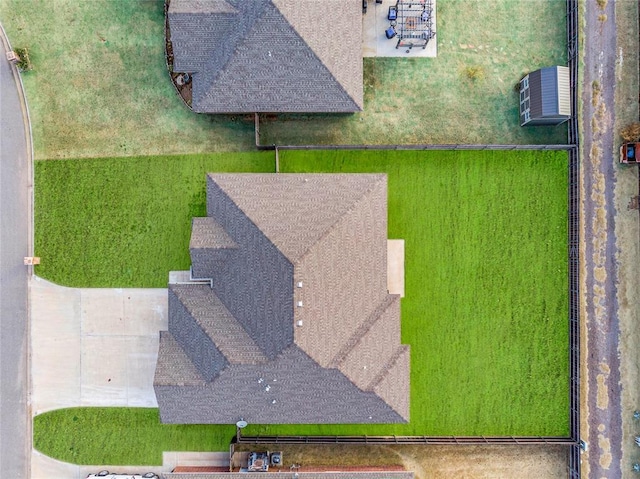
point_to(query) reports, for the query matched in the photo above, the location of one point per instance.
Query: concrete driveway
(97, 347)
(94, 347)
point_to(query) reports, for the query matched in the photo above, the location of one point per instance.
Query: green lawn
(486, 302)
(126, 221)
(100, 88)
(486, 305)
(121, 436)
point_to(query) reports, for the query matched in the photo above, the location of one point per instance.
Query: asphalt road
(15, 444)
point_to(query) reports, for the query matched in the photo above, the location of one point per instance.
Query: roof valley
(340, 219)
(359, 333)
(377, 379)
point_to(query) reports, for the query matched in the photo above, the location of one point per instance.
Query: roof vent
(299, 304)
(299, 323)
(299, 284)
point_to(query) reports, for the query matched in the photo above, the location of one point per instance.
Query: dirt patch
(627, 230)
(438, 462)
(476, 462)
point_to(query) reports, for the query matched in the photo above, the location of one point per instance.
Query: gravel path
(600, 308)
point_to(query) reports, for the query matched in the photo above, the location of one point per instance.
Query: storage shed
(545, 97)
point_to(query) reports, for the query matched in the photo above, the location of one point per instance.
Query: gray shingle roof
(226, 333)
(173, 367)
(294, 212)
(206, 233)
(201, 6)
(291, 389)
(269, 55)
(303, 301)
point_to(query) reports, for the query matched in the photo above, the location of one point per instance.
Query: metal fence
(423, 147)
(573, 60)
(406, 440)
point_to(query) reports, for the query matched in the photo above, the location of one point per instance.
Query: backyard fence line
(573, 60)
(408, 440)
(419, 147)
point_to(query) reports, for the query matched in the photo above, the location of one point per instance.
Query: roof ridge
(362, 330)
(381, 178)
(169, 346)
(400, 350)
(338, 83)
(210, 176)
(238, 39)
(210, 234)
(245, 348)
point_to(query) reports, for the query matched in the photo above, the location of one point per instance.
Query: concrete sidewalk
(94, 347)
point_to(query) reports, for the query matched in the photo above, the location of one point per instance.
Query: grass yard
(486, 306)
(100, 88)
(438, 100)
(121, 436)
(486, 301)
(125, 221)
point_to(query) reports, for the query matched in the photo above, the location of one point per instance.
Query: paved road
(599, 181)
(15, 444)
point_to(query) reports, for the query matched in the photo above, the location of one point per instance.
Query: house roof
(269, 55)
(206, 233)
(329, 231)
(296, 210)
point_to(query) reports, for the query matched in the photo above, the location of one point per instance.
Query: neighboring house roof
(269, 55)
(299, 326)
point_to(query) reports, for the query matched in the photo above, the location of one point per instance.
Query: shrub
(24, 62)
(474, 73)
(631, 133)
